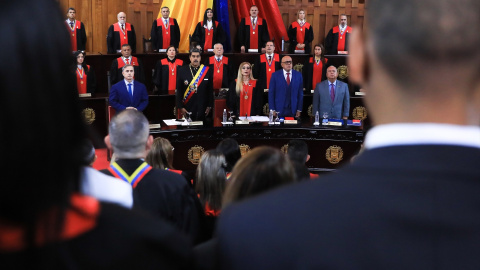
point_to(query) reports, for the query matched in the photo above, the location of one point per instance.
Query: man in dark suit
(128, 94)
(285, 95)
(410, 200)
(161, 193)
(331, 96)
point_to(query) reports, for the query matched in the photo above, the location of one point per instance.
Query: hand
(199, 47)
(207, 111)
(275, 114)
(184, 112)
(297, 115)
(263, 50)
(345, 117)
(242, 49)
(301, 46)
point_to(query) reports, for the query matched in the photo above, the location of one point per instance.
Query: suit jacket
(277, 91)
(397, 207)
(120, 99)
(322, 101)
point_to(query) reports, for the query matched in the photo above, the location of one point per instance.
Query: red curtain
(268, 9)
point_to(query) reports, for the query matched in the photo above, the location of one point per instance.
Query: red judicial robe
(251, 105)
(116, 70)
(116, 37)
(300, 34)
(222, 72)
(248, 33)
(263, 70)
(78, 37)
(86, 82)
(337, 41)
(206, 38)
(165, 75)
(314, 73)
(164, 36)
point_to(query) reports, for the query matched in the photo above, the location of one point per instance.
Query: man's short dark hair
(126, 45)
(195, 50)
(297, 151)
(71, 9)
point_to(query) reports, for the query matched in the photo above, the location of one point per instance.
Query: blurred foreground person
(410, 200)
(44, 222)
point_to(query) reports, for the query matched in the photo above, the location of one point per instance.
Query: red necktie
(332, 92)
(288, 78)
(128, 61)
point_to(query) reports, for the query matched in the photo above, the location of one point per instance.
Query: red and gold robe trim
(254, 31)
(217, 70)
(123, 35)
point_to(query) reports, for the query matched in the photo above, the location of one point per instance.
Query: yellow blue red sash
(133, 179)
(195, 83)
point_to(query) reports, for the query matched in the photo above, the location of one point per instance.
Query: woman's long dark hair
(211, 178)
(205, 19)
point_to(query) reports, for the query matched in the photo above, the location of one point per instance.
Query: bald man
(121, 33)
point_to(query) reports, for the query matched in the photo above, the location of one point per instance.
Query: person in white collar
(78, 36)
(265, 65)
(253, 32)
(128, 93)
(165, 31)
(332, 97)
(410, 200)
(126, 59)
(121, 33)
(337, 38)
(208, 32)
(300, 33)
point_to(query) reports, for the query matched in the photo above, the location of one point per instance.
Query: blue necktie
(130, 90)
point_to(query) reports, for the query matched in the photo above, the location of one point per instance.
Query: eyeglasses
(287, 62)
(246, 67)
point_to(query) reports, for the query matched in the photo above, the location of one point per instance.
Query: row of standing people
(252, 33)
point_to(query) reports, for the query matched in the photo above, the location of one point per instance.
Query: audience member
(160, 156)
(116, 69)
(159, 192)
(300, 33)
(285, 95)
(265, 65)
(337, 38)
(230, 149)
(253, 32)
(194, 88)
(44, 222)
(86, 82)
(121, 33)
(298, 154)
(332, 96)
(244, 97)
(76, 29)
(410, 200)
(315, 70)
(165, 74)
(165, 31)
(128, 94)
(222, 70)
(208, 32)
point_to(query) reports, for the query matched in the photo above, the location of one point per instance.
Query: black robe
(260, 70)
(80, 36)
(91, 79)
(233, 100)
(243, 34)
(113, 40)
(161, 75)
(331, 41)
(308, 73)
(116, 72)
(226, 68)
(199, 35)
(202, 99)
(157, 36)
(292, 36)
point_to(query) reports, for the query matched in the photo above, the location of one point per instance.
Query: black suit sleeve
(176, 29)
(329, 43)
(258, 101)
(292, 36)
(153, 35)
(197, 35)
(265, 35)
(232, 98)
(113, 72)
(91, 81)
(241, 34)
(110, 48)
(133, 40)
(141, 76)
(83, 37)
(221, 37)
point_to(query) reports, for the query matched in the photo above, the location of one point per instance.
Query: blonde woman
(300, 33)
(244, 98)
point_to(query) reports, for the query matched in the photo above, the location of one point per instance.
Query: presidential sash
(133, 179)
(195, 83)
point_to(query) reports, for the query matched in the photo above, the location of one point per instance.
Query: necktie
(166, 22)
(71, 24)
(218, 59)
(270, 58)
(128, 61)
(130, 90)
(288, 78)
(123, 28)
(332, 92)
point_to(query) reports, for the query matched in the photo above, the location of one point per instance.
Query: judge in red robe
(208, 32)
(315, 70)
(253, 32)
(244, 96)
(76, 30)
(221, 68)
(126, 59)
(165, 74)
(265, 65)
(165, 31)
(300, 33)
(337, 37)
(86, 82)
(121, 33)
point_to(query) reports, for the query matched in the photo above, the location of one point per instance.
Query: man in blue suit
(331, 96)
(128, 93)
(285, 95)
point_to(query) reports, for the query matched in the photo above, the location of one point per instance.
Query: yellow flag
(187, 13)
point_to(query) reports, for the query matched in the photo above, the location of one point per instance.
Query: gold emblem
(284, 149)
(254, 32)
(73, 35)
(244, 149)
(298, 67)
(81, 82)
(266, 109)
(185, 82)
(175, 112)
(359, 113)
(173, 74)
(195, 153)
(269, 69)
(88, 115)
(310, 110)
(334, 154)
(209, 34)
(167, 33)
(343, 72)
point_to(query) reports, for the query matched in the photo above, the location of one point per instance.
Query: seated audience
(44, 222)
(160, 156)
(231, 151)
(298, 154)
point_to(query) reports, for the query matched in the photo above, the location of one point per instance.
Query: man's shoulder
(119, 84)
(139, 84)
(165, 177)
